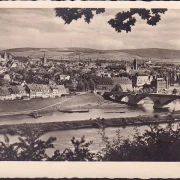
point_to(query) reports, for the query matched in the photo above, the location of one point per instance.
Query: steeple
(44, 60)
(135, 64)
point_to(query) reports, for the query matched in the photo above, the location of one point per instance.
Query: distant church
(44, 60)
(4, 57)
(135, 64)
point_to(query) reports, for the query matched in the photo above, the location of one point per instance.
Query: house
(86, 70)
(5, 93)
(63, 77)
(58, 90)
(38, 90)
(140, 80)
(17, 92)
(7, 78)
(125, 82)
(104, 84)
(71, 84)
(103, 73)
(3, 69)
(14, 65)
(161, 83)
(46, 91)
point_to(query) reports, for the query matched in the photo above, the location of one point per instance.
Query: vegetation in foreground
(156, 144)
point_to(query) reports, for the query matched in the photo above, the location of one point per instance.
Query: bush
(156, 144)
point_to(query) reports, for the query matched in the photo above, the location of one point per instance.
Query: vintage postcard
(87, 89)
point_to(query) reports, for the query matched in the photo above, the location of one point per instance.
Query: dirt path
(29, 111)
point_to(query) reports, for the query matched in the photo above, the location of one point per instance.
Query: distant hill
(154, 53)
(88, 53)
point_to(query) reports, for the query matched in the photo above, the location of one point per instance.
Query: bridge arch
(138, 100)
(120, 98)
(168, 101)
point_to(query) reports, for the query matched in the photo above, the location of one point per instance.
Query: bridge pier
(157, 106)
(132, 100)
(132, 104)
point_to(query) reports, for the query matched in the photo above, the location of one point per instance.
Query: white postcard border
(89, 169)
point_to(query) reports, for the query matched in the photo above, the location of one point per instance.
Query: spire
(135, 64)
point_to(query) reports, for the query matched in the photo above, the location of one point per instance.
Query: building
(135, 64)
(71, 84)
(102, 73)
(140, 80)
(58, 90)
(64, 77)
(124, 82)
(161, 84)
(38, 90)
(7, 78)
(5, 94)
(104, 84)
(44, 60)
(17, 92)
(46, 91)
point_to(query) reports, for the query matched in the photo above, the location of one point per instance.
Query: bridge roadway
(159, 100)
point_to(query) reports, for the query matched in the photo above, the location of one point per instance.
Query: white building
(143, 79)
(58, 90)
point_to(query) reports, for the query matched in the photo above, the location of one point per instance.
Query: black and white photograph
(90, 84)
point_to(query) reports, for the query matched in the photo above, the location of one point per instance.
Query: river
(64, 137)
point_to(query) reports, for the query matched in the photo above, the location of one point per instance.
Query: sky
(41, 28)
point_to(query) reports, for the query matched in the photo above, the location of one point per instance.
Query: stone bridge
(159, 100)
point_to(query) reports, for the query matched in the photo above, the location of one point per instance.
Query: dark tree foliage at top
(69, 14)
(123, 21)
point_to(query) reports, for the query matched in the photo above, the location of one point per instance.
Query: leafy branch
(123, 21)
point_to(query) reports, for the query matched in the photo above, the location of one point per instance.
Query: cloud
(41, 28)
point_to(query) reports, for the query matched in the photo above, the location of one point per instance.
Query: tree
(86, 84)
(123, 21)
(29, 148)
(156, 144)
(117, 88)
(91, 84)
(81, 152)
(175, 91)
(80, 86)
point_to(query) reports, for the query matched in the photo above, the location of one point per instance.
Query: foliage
(80, 86)
(175, 91)
(31, 147)
(156, 143)
(123, 21)
(81, 152)
(70, 14)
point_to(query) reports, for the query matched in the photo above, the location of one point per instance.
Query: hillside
(154, 53)
(87, 53)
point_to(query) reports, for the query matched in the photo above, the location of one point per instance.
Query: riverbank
(71, 102)
(91, 123)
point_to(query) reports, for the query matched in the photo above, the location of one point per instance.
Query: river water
(64, 137)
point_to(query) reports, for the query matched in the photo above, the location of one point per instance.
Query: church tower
(5, 56)
(135, 64)
(44, 60)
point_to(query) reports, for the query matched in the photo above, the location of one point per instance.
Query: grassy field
(27, 105)
(88, 100)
